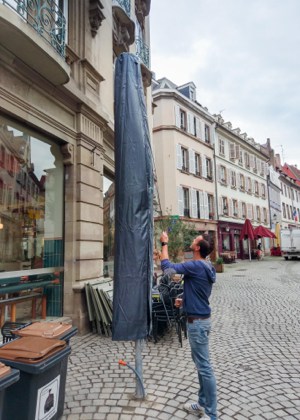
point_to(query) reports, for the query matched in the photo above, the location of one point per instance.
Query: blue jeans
(198, 332)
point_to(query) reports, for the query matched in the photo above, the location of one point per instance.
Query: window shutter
(190, 123)
(231, 151)
(177, 116)
(202, 131)
(201, 199)
(238, 178)
(230, 209)
(192, 164)
(240, 210)
(220, 202)
(198, 128)
(179, 156)
(180, 201)
(204, 171)
(251, 161)
(237, 151)
(193, 198)
(206, 207)
(219, 172)
(253, 186)
(228, 174)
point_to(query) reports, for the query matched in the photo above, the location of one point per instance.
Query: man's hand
(178, 303)
(164, 237)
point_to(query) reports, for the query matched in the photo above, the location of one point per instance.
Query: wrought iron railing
(45, 17)
(124, 4)
(142, 51)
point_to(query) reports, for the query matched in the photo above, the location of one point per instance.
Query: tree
(180, 234)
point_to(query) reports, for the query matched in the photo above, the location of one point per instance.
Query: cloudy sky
(244, 58)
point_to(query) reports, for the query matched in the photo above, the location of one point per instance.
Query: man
(199, 276)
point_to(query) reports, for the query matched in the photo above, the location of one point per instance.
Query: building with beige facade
(183, 142)
(241, 186)
(57, 140)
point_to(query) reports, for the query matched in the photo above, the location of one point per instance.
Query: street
(254, 348)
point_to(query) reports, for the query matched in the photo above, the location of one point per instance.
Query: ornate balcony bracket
(96, 15)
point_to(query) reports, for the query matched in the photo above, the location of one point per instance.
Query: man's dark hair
(205, 248)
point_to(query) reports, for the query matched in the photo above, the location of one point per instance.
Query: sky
(244, 58)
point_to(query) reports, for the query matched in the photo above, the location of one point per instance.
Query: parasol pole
(249, 248)
(139, 386)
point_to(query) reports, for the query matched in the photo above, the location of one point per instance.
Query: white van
(290, 243)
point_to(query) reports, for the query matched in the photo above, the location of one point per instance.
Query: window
(235, 208)
(233, 179)
(223, 177)
(283, 210)
(249, 185)
(207, 133)
(183, 120)
(247, 159)
(242, 182)
(244, 211)
(108, 226)
(197, 164)
(258, 213)
(241, 158)
(221, 147)
(255, 164)
(231, 150)
(225, 206)
(263, 190)
(186, 202)
(265, 215)
(185, 159)
(285, 193)
(256, 188)
(211, 209)
(209, 168)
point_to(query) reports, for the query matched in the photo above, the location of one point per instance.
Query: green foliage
(181, 235)
(219, 260)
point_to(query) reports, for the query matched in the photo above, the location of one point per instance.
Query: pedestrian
(199, 277)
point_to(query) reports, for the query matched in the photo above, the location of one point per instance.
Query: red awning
(263, 232)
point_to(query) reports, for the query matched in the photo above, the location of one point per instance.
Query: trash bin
(40, 392)
(8, 376)
(59, 330)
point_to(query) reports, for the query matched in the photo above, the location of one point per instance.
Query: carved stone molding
(67, 151)
(96, 15)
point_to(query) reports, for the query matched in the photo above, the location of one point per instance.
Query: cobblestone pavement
(254, 348)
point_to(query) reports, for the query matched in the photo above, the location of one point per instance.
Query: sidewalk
(254, 349)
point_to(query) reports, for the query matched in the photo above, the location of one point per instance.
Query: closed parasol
(247, 233)
(277, 234)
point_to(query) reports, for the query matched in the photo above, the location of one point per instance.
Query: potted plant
(219, 265)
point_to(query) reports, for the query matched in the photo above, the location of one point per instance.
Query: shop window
(108, 226)
(31, 200)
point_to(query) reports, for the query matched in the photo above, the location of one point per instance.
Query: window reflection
(109, 226)
(31, 200)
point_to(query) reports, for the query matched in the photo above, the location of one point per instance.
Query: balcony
(35, 33)
(142, 51)
(124, 27)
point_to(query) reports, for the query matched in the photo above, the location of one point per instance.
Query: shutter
(220, 207)
(198, 128)
(228, 181)
(202, 131)
(260, 189)
(190, 123)
(193, 198)
(238, 184)
(180, 201)
(240, 210)
(212, 169)
(177, 116)
(237, 151)
(259, 162)
(179, 156)
(251, 211)
(253, 186)
(204, 171)
(192, 164)
(219, 172)
(201, 199)
(230, 209)
(251, 161)
(231, 151)
(206, 208)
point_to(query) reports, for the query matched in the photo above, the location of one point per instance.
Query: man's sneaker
(196, 409)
